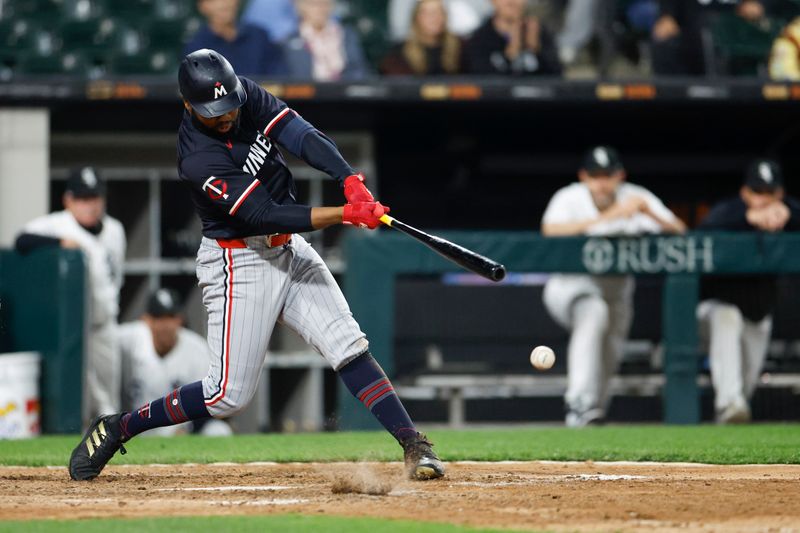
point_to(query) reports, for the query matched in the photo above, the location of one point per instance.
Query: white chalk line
(534, 480)
(393, 463)
(232, 488)
(258, 503)
(604, 477)
(84, 501)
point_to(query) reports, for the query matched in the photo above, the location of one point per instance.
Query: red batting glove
(355, 191)
(364, 214)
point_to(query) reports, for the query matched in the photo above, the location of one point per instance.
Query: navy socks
(363, 376)
(181, 405)
(366, 380)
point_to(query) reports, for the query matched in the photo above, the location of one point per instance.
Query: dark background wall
(495, 164)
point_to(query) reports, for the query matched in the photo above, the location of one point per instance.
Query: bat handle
(386, 219)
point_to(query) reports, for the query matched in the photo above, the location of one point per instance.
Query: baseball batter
(159, 354)
(84, 225)
(253, 267)
(597, 309)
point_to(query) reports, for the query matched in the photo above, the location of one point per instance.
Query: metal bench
(303, 408)
(456, 389)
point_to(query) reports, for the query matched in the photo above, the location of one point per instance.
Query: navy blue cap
(164, 302)
(208, 82)
(84, 183)
(764, 175)
(602, 160)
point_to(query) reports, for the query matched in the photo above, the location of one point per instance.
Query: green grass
(240, 524)
(773, 443)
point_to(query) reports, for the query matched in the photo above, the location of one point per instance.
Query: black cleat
(98, 445)
(421, 461)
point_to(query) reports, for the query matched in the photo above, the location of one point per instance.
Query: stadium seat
(24, 37)
(69, 63)
(369, 19)
(82, 9)
(743, 48)
(129, 10)
(170, 33)
(176, 9)
(8, 65)
(39, 10)
(16, 35)
(152, 62)
(93, 36)
(129, 41)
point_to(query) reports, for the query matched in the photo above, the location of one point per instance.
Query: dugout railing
(375, 261)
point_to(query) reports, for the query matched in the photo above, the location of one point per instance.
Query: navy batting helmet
(207, 81)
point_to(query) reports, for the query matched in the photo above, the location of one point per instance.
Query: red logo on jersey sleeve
(144, 411)
(216, 188)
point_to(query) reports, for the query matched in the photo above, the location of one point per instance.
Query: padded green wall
(42, 309)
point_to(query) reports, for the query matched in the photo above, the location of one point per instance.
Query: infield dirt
(531, 495)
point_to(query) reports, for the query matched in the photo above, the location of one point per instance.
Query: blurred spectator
(323, 49)
(736, 311)
(679, 32)
(630, 29)
(613, 29)
(511, 42)
(784, 61)
(743, 39)
(430, 48)
(247, 47)
(579, 25)
(276, 17)
(159, 354)
(463, 16)
(641, 15)
(597, 309)
(84, 225)
(683, 35)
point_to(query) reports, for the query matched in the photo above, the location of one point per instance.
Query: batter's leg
(242, 311)
(243, 292)
(317, 310)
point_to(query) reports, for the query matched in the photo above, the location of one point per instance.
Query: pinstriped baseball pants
(246, 291)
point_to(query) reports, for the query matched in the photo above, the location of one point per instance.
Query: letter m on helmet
(219, 90)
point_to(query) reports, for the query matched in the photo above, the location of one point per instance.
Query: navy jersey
(239, 180)
(755, 295)
(731, 215)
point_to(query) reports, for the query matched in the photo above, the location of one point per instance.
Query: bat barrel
(468, 259)
(497, 273)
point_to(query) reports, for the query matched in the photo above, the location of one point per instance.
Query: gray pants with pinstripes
(245, 291)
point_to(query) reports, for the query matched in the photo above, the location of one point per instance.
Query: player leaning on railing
(598, 310)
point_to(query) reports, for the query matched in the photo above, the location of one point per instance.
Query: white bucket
(19, 395)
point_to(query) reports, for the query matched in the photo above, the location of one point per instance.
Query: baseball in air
(543, 357)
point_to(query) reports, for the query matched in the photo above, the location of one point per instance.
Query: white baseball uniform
(104, 254)
(245, 291)
(598, 310)
(737, 350)
(146, 374)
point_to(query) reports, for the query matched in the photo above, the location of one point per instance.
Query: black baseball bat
(483, 266)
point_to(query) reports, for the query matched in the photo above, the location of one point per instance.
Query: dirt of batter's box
(535, 495)
(361, 478)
